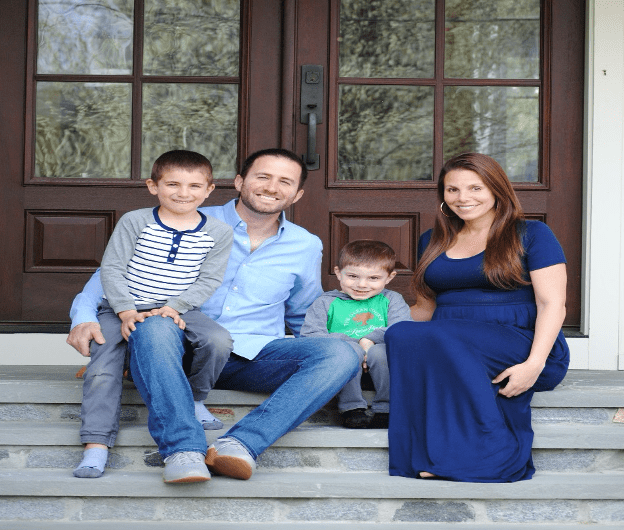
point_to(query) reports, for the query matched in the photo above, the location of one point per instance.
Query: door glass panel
(191, 37)
(502, 122)
(492, 40)
(385, 133)
(387, 39)
(194, 116)
(83, 130)
(78, 37)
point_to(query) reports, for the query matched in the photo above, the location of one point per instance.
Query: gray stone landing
(320, 476)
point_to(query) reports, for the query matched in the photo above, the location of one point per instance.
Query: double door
(395, 88)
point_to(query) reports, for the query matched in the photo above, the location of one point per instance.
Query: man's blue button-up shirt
(261, 290)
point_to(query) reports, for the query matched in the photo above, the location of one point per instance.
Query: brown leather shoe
(228, 457)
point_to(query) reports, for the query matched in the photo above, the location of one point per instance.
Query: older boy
(167, 260)
(360, 313)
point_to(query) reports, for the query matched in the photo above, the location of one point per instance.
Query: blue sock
(93, 462)
(208, 421)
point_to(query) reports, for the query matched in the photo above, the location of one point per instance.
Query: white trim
(579, 353)
(38, 349)
(605, 197)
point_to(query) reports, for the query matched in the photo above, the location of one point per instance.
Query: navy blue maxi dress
(446, 416)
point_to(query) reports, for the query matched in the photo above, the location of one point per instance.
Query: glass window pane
(385, 133)
(492, 40)
(83, 130)
(502, 122)
(191, 37)
(198, 117)
(78, 37)
(387, 39)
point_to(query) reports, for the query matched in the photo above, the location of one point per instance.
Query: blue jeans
(303, 374)
(157, 347)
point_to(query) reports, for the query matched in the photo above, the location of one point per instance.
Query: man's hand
(128, 318)
(80, 337)
(166, 311)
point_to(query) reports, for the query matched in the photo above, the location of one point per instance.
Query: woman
(490, 290)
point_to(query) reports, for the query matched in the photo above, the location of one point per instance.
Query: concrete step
(58, 385)
(287, 498)
(557, 448)
(167, 525)
(547, 436)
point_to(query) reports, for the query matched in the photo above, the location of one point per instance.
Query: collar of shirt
(263, 289)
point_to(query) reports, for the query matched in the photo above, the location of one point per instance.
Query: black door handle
(311, 109)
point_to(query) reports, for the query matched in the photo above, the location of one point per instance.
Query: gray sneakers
(185, 467)
(229, 457)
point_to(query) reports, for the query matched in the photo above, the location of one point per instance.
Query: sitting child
(162, 261)
(360, 313)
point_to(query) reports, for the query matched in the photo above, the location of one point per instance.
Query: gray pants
(350, 397)
(210, 344)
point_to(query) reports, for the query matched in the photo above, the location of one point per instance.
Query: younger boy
(162, 261)
(360, 313)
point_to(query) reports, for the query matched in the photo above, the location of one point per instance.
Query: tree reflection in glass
(385, 133)
(492, 40)
(78, 37)
(502, 122)
(82, 130)
(191, 37)
(387, 39)
(195, 116)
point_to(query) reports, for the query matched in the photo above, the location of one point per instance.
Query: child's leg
(378, 368)
(350, 397)
(101, 391)
(211, 345)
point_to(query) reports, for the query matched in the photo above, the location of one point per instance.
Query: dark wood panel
(399, 232)
(66, 241)
(47, 297)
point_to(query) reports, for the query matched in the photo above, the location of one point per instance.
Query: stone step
(298, 497)
(166, 525)
(557, 448)
(58, 385)
(547, 436)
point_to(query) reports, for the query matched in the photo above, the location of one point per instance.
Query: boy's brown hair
(181, 159)
(367, 252)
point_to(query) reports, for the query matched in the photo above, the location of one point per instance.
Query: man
(273, 275)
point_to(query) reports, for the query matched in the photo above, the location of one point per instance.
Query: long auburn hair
(502, 265)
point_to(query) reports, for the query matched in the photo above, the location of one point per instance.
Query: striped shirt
(166, 262)
(149, 264)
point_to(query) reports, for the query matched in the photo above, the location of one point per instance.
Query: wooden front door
(405, 85)
(409, 84)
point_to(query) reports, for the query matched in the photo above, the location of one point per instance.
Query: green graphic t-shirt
(357, 318)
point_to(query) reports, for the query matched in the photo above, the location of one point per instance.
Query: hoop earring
(442, 210)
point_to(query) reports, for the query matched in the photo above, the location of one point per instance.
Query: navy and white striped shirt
(161, 265)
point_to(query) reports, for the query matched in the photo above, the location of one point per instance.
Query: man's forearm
(85, 305)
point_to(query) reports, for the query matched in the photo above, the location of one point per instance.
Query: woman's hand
(521, 377)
